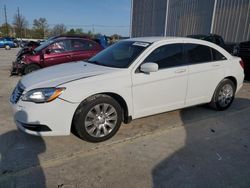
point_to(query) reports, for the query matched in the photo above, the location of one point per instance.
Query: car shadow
(19, 159)
(216, 152)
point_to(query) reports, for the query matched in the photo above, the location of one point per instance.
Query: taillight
(242, 63)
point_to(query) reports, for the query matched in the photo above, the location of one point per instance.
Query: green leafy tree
(71, 32)
(79, 31)
(5, 30)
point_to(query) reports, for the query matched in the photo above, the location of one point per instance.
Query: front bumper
(17, 68)
(45, 119)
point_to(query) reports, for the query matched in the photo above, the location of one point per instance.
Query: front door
(162, 90)
(57, 53)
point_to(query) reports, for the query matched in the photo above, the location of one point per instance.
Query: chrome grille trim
(17, 93)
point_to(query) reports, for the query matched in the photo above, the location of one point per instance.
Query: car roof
(69, 36)
(151, 39)
(161, 39)
(178, 39)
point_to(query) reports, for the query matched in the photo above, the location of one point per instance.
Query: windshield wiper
(94, 62)
(98, 63)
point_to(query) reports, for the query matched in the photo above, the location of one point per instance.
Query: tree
(5, 30)
(90, 33)
(115, 37)
(40, 27)
(71, 32)
(20, 24)
(58, 29)
(79, 31)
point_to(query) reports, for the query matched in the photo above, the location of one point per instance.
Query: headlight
(42, 95)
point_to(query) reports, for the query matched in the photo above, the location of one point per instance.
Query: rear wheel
(224, 95)
(30, 68)
(98, 119)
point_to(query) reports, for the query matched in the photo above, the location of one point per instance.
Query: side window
(167, 56)
(81, 45)
(197, 53)
(217, 56)
(59, 46)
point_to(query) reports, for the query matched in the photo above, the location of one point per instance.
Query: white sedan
(131, 79)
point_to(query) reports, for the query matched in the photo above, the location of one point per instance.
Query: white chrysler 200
(131, 79)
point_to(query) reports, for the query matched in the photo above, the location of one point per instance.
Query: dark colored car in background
(216, 39)
(55, 51)
(243, 51)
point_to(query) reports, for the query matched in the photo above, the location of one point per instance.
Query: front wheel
(98, 118)
(224, 95)
(30, 68)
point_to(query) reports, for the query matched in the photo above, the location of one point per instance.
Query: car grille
(17, 93)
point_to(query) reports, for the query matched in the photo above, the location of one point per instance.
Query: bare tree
(40, 27)
(58, 29)
(20, 24)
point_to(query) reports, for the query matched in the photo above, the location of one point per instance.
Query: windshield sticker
(143, 44)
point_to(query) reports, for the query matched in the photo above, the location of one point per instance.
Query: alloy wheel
(101, 120)
(225, 95)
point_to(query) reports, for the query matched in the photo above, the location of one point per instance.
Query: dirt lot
(193, 147)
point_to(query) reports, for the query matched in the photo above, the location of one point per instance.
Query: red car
(56, 51)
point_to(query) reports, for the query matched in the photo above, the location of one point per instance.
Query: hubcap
(101, 120)
(225, 95)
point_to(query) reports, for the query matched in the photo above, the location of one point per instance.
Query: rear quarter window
(217, 56)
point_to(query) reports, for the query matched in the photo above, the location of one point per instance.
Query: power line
(94, 25)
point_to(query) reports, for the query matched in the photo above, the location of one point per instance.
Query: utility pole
(93, 29)
(6, 22)
(19, 22)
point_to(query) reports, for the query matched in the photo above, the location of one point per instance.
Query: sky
(101, 16)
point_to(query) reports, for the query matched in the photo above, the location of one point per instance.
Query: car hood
(59, 74)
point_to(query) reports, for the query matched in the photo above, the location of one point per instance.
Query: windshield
(43, 45)
(119, 55)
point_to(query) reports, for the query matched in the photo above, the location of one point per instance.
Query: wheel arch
(29, 64)
(233, 79)
(125, 111)
(126, 118)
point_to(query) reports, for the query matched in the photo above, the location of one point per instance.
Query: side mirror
(149, 67)
(47, 51)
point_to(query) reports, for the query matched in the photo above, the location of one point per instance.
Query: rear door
(83, 49)
(57, 53)
(206, 69)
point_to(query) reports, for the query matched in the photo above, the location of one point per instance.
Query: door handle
(180, 70)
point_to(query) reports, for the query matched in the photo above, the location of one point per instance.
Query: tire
(223, 95)
(30, 68)
(7, 47)
(98, 118)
